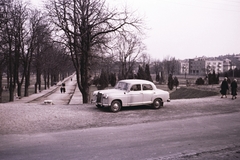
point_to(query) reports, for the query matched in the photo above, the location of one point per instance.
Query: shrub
(170, 82)
(200, 81)
(103, 80)
(175, 82)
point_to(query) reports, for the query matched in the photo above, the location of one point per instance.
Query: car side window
(147, 87)
(136, 87)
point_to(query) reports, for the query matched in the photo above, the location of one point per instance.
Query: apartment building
(213, 65)
(184, 67)
(226, 64)
(201, 66)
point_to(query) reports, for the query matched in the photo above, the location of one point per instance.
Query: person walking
(234, 89)
(224, 87)
(62, 89)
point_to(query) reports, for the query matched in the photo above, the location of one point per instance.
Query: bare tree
(2, 64)
(170, 65)
(129, 48)
(86, 26)
(11, 39)
(19, 19)
(35, 32)
(2, 48)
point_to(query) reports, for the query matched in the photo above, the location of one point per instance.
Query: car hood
(108, 91)
(161, 91)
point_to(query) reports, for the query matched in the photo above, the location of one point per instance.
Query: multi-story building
(203, 66)
(238, 56)
(184, 67)
(226, 64)
(197, 66)
(213, 65)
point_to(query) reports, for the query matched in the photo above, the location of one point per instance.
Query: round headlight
(105, 96)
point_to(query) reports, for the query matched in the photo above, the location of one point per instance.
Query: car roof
(133, 81)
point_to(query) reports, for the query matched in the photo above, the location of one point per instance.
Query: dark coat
(224, 87)
(234, 88)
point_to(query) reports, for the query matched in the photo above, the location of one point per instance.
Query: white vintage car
(130, 92)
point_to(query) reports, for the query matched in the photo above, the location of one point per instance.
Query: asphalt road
(190, 138)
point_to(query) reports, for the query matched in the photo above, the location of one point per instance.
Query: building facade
(184, 67)
(213, 65)
(203, 66)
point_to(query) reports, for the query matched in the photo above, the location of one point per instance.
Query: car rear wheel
(157, 103)
(115, 106)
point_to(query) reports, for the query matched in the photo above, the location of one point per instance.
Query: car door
(135, 96)
(147, 93)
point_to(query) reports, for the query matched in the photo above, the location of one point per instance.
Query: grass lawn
(190, 92)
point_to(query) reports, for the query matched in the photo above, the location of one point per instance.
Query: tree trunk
(11, 90)
(19, 92)
(84, 89)
(48, 80)
(11, 78)
(38, 82)
(1, 87)
(27, 81)
(45, 80)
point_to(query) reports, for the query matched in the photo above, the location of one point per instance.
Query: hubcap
(115, 106)
(157, 104)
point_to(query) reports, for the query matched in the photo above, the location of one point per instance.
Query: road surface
(174, 139)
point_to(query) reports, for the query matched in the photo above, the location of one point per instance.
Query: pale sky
(188, 28)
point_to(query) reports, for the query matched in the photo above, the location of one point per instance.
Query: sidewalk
(71, 96)
(77, 95)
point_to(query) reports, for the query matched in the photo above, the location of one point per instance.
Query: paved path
(77, 95)
(71, 96)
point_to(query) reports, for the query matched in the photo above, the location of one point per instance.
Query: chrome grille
(99, 97)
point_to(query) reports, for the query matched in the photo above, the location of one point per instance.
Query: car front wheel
(115, 106)
(99, 106)
(157, 103)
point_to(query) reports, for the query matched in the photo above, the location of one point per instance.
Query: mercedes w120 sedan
(130, 92)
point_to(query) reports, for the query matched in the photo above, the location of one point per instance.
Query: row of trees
(94, 35)
(27, 49)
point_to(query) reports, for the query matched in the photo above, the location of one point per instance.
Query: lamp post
(233, 72)
(232, 67)
(184, 70)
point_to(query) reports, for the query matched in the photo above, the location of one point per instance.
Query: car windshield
(121, 86)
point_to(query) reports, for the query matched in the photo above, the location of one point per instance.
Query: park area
(183, 91)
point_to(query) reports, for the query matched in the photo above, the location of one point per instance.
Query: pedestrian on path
(234, 89)
(62, 89)
(224, 88)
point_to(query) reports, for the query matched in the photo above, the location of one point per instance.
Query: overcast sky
(188, 28)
